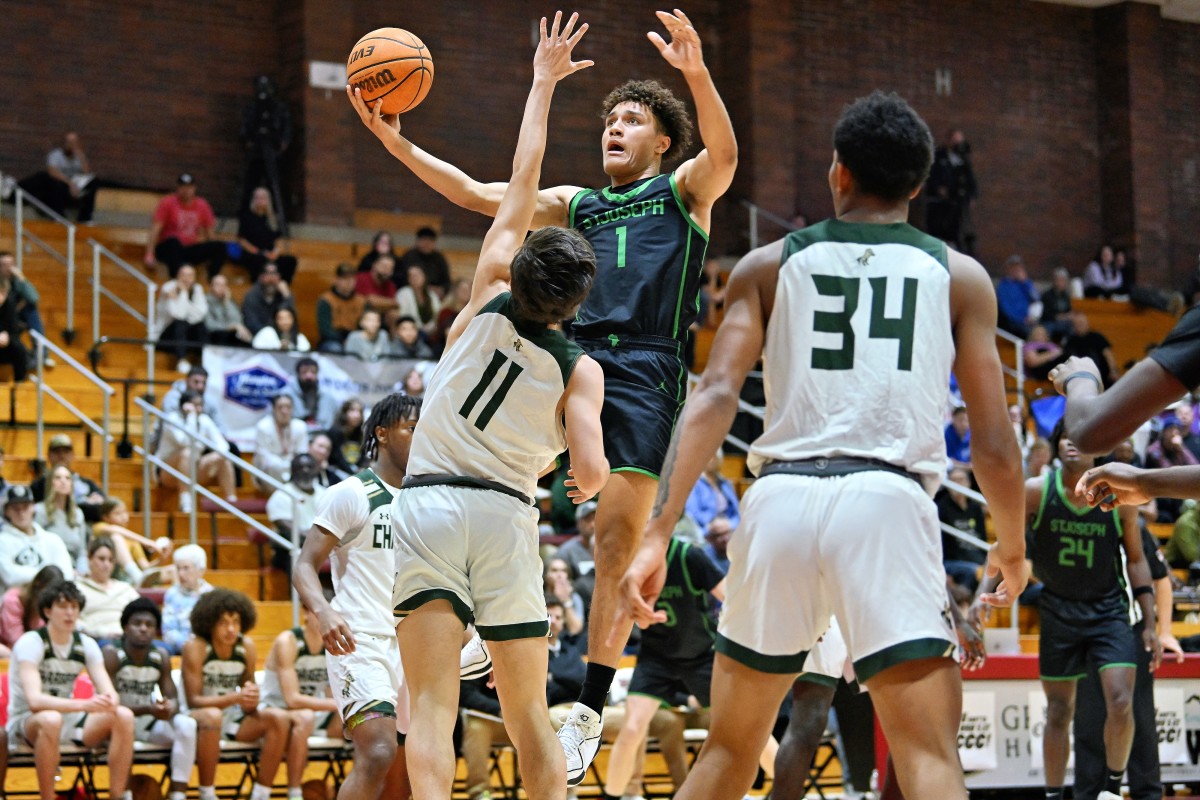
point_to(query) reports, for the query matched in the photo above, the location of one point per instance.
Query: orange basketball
(392, 65)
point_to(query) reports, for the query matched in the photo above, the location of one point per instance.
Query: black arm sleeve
(1179, 354)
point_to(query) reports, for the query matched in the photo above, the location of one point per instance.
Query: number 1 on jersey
(621, 235)
(485, 380)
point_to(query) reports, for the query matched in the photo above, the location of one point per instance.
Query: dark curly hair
(552, 274)
(885, 144)
(669, 112)
(142, 605)
(59, 590)
(213, 605)
(389, 411)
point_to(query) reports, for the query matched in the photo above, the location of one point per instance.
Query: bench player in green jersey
(649, 230)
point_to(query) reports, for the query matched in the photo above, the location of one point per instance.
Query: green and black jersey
(690, 629)
(1076, 552)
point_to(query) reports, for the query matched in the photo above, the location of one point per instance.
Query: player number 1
(621, 247)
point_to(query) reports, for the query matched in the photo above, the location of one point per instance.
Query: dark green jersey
(690, 628)
(1076, 552)
(649, 260)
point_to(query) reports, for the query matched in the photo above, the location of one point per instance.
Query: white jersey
(223, 675)
(58, 666)
(859, 349)
(311, 675)
(491, 405)
(358, 513)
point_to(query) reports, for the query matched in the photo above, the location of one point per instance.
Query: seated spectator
(714, 500)
(454, 302)
(413, 384)
(296, 682)
(407, 341)
(1185, 412)
(381, 246)
(1183, 548)
(376, 287)
(338, 311)
(1169, 451)
(279, 437)
(1040, 354)
(182, 229)
(320, 447)
(259, 236)
(42, 709)
(558, 582)
(12, 351)
(315, 407)
(1015, 298)
(1103, 278)
(223, 322)
(281, 334)
(1016, 415)
(182, 309)
(106, 596)
(1037, 463)
(1056, 305)
(141, 672)
(87, 492)
(370, 342)
(67, 180)
(29, 315)
(958, 439)
(264, 298)
(580, 551)
(433, 264)
(25, 546)
(19, 610)
(60, 515)
(196, 381)
(961, 560)
(293, 508)
(177, 449)
(133, 565)
(345, 438)
(190, 564)
(418, 300)
(218, 681)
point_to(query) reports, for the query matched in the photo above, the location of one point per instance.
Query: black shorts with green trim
(665, 679)
(1074, 632)
(644, 388)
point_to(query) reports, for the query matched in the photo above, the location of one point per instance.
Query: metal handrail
(41, 345)
(20, 198)
(1019, 372)
(755, 213)
(98, 252)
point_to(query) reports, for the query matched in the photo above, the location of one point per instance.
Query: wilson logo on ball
(375, 81)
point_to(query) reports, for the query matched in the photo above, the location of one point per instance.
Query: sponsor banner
(977, 731)
(1172, 734)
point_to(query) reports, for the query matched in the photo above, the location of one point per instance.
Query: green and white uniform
(140, 685)
(59, 666)
(223, 676)
(311, 674)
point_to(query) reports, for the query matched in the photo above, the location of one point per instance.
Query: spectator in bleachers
(67, 180)
(218, 680)
(961, 560)
(61, 515)
(190, 564)
(1056, 304)
(381, 246)
(223, 322)
(580, 551)
(316, 408)
(106, 596)
(296, 682)
(1087, 343)
(134, 565)
(407, 341)
(196, 381)
(177, 449)
(376, 287)
(268, 294)
(958, 439)
(25, 546)
(1015, 298)
(558, 582)
(452, 303)
(281, 334)
(258, 234)
(19, 611)
(141, 673)
(370, 342)
(1037, 463)
(338, 310)
(1103, 277)
(713, 502)
(182, 309)
(278, 437)
(1169, 451)
(320, 447)
(87, 492)
(1185, 412)
(413, 383)
(433, 264)
(12, 351)
(418, 300)
(345, 437)
(1040, 354)
(27, 298)
(1183, 548)
(293, 508)
(42, 709)
(182, 229)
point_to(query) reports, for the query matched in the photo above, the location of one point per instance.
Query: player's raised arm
(706, 177)
(551, 63)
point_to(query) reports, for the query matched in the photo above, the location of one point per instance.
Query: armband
(1082, 374)
(1138, 591)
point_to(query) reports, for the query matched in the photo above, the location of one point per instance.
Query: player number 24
(1073, 549)
(882, 327)
(485, 380)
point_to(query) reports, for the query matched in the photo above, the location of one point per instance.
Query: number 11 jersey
(491, 405)
(859, 349)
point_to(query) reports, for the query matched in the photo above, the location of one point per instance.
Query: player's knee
(185, 727)
(376, 754)
(207, 718)
(1059, 712)
(123, 719)
(303, 720)
(49, 721)
(1119, 703)
(276, 719)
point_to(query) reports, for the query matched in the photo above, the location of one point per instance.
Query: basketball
(391, 65)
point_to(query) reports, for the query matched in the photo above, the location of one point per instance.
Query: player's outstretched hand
(1113, 485)
(553, 57)
(683, 53)
(1075, 365)
(380, 124)
(970, 639)
(1014, 574)
(335, 633)
(640, 587)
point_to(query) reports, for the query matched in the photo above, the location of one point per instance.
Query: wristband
(1082, 374)
(1138, 591)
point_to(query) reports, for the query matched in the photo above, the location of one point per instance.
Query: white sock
(295, 791)
(260, 792)
(177, 796)
(127, 795)
(208, 793)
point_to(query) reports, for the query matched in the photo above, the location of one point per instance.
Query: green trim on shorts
(461, 609)
(1058, 678)
(377, 709)
(778, 665)
(516, 630)
(654, 475)
(661, 702)
(1117, 664)
(872, 665)
(819, 679)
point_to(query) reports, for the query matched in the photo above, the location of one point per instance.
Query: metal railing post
(151, 323)
(19, 233)
(105, 444)
(146, 474)
(69, 331)
(95, 293)
(40, 350)
(295, 556)
(194, 452)
(753, 227)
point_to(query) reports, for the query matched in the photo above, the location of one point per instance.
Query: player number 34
(881, 326)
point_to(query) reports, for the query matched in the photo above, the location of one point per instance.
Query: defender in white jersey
(508, 396)
(43, 712)
(861, 319)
